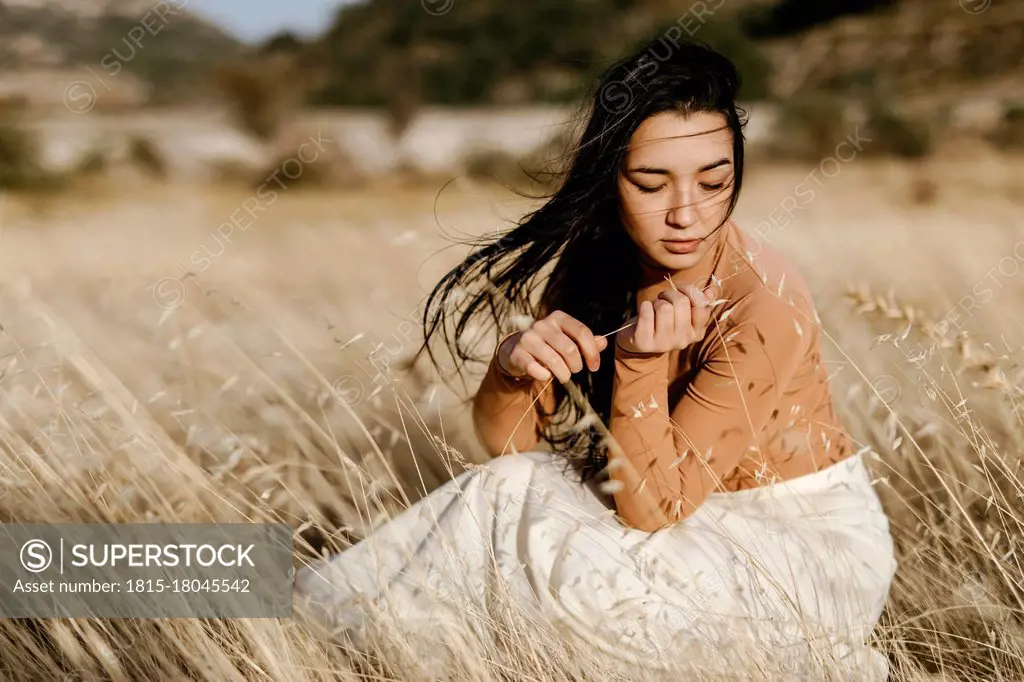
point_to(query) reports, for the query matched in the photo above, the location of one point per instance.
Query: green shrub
(230, 172)
(548, 162)
(144, 154)
(252, 99)
(323, 172)
(1009, 134)
(544, 165)
(788, 17)
(754, 66)
(492, 164)
(19, 161)
(807, 128)
(94, 163)
(402, 108)
(893, 134)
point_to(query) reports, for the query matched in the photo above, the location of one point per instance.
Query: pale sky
(254, 20)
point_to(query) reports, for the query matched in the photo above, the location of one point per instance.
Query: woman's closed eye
(706, 186)
(723, 182)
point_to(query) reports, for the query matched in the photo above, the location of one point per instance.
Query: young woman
(699, 498)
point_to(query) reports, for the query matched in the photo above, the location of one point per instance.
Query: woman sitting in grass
(698, 502)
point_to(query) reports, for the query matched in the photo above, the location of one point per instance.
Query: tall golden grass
(253, 398)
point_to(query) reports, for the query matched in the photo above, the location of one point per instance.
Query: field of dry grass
(157, 367)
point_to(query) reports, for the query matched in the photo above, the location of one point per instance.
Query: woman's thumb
(698, 296)
(602, 342)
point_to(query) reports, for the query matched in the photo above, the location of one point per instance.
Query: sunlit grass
(255, 399)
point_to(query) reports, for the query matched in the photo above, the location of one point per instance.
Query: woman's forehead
(674, 141)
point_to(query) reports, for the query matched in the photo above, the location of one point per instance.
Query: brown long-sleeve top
(747, 405)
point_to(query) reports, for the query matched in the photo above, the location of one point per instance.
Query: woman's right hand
(557, 344)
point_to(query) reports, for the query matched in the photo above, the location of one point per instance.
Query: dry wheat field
(157, 367)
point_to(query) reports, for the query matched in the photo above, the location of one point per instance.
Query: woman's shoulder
(764, 290)
(755, 270)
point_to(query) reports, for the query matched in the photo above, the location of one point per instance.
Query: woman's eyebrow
(716, 164)
(662, 171)
(649, 169)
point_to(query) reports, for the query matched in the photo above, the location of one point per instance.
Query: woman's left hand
(673, 321)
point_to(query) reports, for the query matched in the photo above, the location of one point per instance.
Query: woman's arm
(504, 413)
(683, 454)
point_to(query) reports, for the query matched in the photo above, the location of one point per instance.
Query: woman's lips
(678, 246)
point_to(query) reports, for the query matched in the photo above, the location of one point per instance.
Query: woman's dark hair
(578, 229)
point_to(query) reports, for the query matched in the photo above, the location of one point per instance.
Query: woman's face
(675, 186)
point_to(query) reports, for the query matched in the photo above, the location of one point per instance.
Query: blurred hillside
(437, 88)
(160, 45)
(401, 54)
(501, 53)
(909, 47)
(485, 51)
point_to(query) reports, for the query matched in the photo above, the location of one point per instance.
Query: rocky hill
(157, 41)
(490, 52)
(486, 51)
(911, 47)
(404, 53)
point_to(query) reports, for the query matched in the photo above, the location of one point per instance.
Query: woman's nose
(683, 213)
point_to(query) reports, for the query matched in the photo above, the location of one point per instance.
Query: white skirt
(790, 577)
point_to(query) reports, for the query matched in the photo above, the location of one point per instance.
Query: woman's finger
(551, 329)
(664, 320)
(700, 311)
(683, 308)
(643, 335)
(521, 358)
(537, 346)
(537, 370)
(713, 291)
(584, 340)
(681, 331)
(566, 346)
(628, 331)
